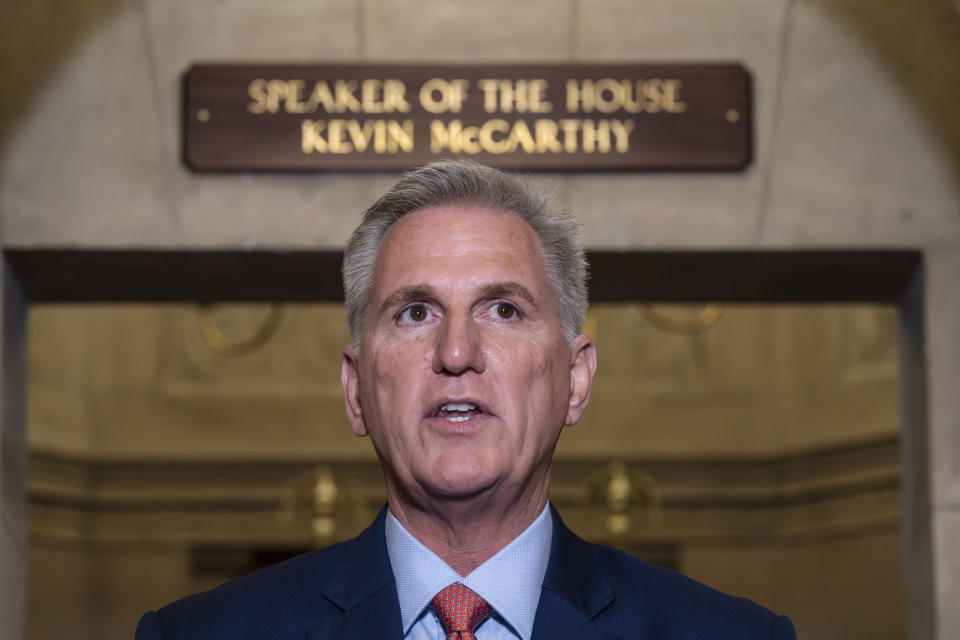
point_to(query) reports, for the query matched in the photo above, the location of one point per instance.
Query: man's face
(464, 377)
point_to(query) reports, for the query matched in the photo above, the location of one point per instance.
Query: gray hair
(449, 182)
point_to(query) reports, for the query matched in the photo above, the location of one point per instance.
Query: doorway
(618, 279)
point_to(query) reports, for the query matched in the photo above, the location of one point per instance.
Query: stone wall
(855, 140)
(857, 145)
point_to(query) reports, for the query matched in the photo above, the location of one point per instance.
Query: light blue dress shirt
(510, 581)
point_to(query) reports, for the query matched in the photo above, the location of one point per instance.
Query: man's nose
(459, 346)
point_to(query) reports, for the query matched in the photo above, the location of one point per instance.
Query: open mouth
(457, 411)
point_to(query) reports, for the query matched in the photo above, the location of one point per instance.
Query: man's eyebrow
(408, 294)
(419, 292)
(507, 290)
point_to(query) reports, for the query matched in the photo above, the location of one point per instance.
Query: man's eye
(415, 313)
(506, 310)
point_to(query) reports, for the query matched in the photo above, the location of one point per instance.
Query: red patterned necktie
(460, 611)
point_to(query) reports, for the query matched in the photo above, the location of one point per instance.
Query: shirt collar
(510, 581)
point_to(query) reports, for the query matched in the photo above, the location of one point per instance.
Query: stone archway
(856, 149)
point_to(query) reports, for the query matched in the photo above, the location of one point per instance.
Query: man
(465, 296)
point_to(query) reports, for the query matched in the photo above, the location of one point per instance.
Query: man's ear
(350, 381)
(583, 367)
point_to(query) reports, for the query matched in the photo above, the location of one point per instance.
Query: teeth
(458, 418)
(458, 406)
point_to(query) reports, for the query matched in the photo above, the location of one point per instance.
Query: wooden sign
(314, 117)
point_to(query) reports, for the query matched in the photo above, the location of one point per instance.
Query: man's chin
(461, 486)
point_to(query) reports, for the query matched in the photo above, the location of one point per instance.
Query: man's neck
(466, 533)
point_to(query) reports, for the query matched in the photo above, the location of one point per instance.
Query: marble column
(13, 459)
(942, 322)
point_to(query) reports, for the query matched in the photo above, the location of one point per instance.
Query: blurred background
(755, 447)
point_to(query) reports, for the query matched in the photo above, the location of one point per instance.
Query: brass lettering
(371, 96)
(346, 136)
(375, 96)
(513, 95)
(344, 91)
(520, 135)
(470, 140)
(522, 96)
(631, 96)
(321, 95)
(276, 91)
(621, 131)
(538, 96)
(489, 88)
(399, 136)
(346, 96)
(257, 90)
(445, 137)
(603, 136)
(487, 141)
(570, 128)
(579, 95)
(292, 100)
(596, 136)
(311, 136)
(360, 136)
(589, 143)
(499, 136)
(671, 96)
(651, 91)
(455, 137)
(546, 132)
(394, 97)
(452, 95)
(380, 139)
(336, 137)
(609, 95)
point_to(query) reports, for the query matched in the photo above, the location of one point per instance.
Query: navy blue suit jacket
(345, 591)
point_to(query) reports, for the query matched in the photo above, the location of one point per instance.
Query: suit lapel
(574, 590)
(377, 616)
(363, 589)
